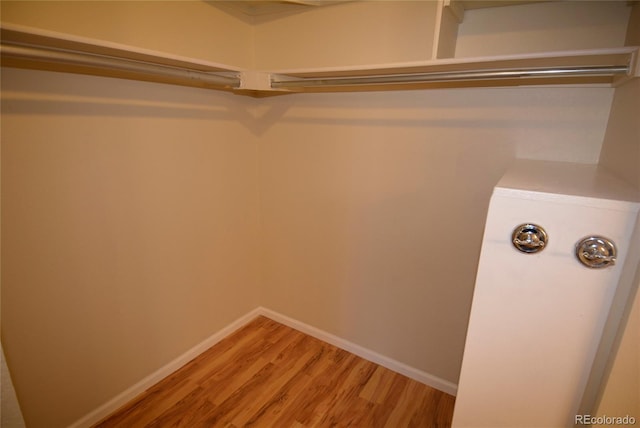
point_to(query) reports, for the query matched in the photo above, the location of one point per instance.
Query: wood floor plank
(185, 412)
(281, 377)
(410, 402)
(310, 403)
(269, 375)
(264, 383)
(280, 403)
(378, 385)
(284, 401)
(334, 409)
(231, 378)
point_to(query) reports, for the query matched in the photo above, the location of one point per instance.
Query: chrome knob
(596, 252)
(529, 238)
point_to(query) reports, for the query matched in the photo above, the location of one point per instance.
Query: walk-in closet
(173, 171)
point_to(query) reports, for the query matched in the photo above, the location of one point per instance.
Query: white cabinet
(537, 318)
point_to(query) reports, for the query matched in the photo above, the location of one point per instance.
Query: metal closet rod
(450, 76)
(115, 63)
(54, 55)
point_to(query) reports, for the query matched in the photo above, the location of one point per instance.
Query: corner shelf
(25, 47)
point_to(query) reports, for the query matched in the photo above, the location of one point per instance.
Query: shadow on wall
(556, 124)
(36, 92)
(488, 109)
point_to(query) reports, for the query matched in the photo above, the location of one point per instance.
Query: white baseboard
(389, 363)
(130, 393)
(121, 399)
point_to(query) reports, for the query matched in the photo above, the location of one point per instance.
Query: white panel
(536, 319)
(542, 27)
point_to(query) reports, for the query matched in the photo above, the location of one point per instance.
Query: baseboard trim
(121, 399)
(389, 363)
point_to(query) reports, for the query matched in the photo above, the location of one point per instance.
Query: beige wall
(181, 27)
(370, 32)
(373, 204)
(10, 413)
(129, 232)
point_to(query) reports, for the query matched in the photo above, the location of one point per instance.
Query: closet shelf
(603, 66)
(24, 47)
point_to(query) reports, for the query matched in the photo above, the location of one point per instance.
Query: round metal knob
(596, 252)
(529, 238)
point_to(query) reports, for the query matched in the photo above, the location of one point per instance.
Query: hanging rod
(84, 59)
(449, 76)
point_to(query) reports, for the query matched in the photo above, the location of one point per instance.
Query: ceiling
(253, 11)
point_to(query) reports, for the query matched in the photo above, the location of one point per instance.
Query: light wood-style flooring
(269, 375)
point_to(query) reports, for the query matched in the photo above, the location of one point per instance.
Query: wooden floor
(269, 375)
